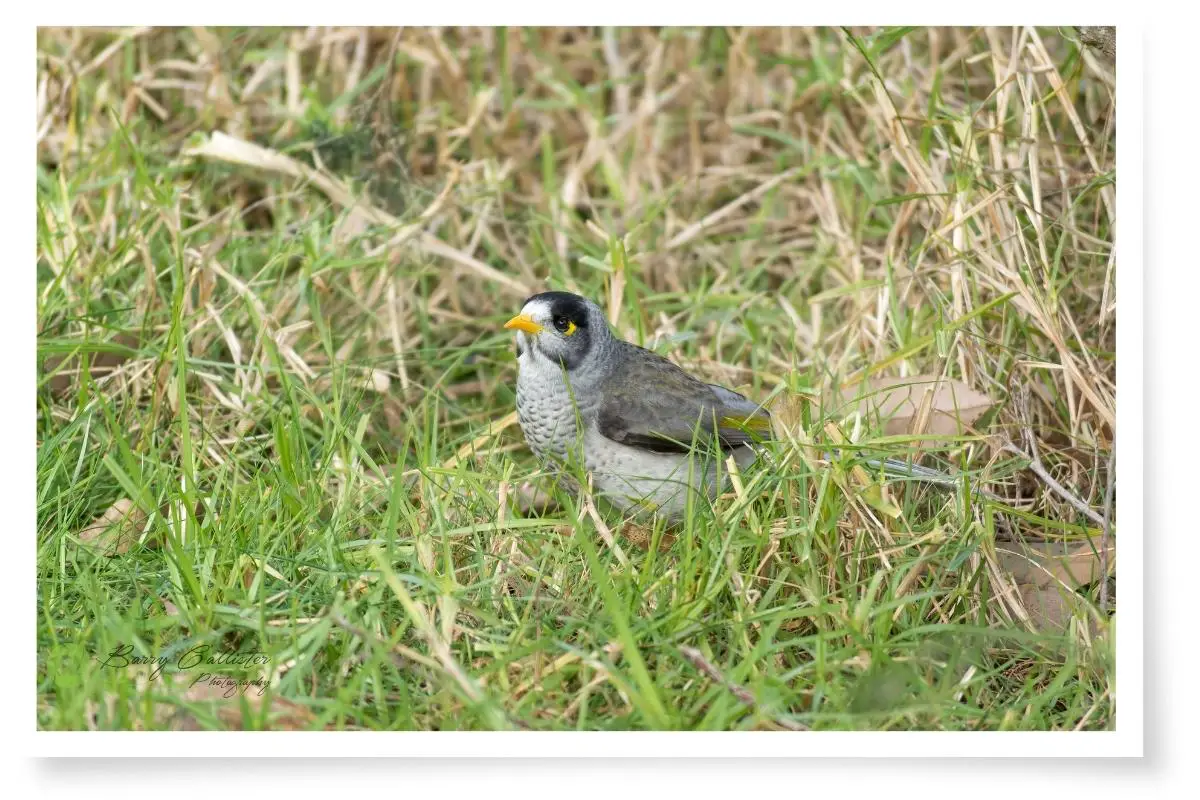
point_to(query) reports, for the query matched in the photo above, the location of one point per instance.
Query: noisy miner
(648, 432)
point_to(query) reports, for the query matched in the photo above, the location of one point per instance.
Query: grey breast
(544, 409)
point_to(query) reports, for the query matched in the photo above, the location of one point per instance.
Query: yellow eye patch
(570, 331)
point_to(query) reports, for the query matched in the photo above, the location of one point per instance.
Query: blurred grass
(305, 417)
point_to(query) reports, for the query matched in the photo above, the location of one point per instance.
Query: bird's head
(560, 327)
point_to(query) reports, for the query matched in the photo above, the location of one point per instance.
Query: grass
(275, 402)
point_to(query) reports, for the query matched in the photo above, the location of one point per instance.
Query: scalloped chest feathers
(546, 408)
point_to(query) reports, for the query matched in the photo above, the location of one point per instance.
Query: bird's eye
(562, 324)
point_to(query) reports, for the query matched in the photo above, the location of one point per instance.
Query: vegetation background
(275, 402)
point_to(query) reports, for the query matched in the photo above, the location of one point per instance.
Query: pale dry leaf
(376, 380)
(1045, 564)
(249, 570)
(787, 414)
(897, 402)
(223, 695)
(1049, 607)
(221, 146)
(114, 531)
(1047, 575)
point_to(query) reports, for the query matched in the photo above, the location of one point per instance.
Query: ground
(280, 483)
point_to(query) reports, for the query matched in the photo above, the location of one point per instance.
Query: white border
(1126, 740)
(623, 744)
(1130, 444)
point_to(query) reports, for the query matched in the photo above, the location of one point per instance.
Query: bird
(649, 433)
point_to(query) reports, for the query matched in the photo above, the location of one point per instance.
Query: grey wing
(655, 405)
(738, 404)
(741, 415)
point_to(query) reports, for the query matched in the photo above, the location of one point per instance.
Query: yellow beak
(525, 323)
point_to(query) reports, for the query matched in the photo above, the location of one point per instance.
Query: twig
(697, 660)
(1035, 464)
(589, 509)
(1034, 457)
